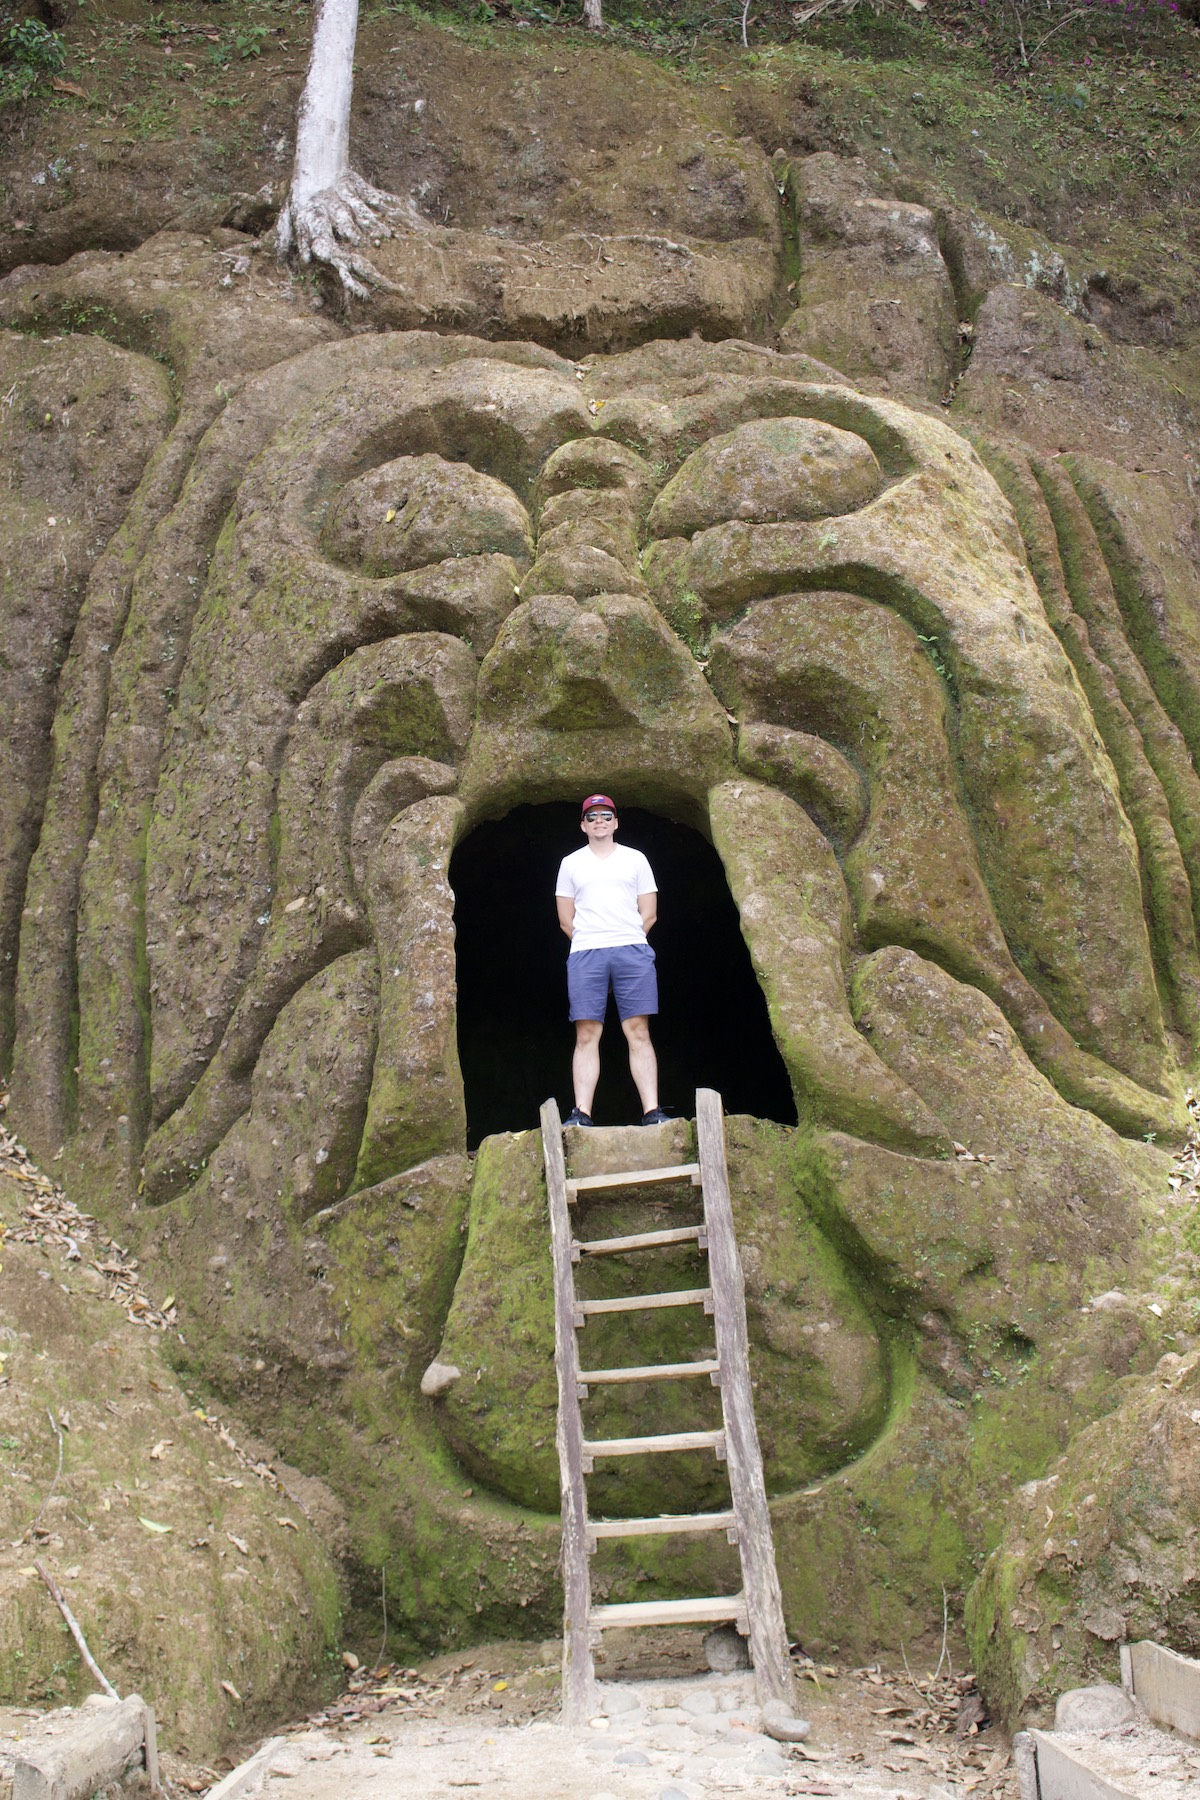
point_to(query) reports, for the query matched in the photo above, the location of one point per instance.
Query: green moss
(1173, 680)
(265, 1620)
(1128, 720)
(685, 616)
(1099, 1551)
(795, 912)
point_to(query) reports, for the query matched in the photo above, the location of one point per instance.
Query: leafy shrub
(29, 52)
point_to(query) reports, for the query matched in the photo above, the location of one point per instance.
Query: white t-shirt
(605, 890)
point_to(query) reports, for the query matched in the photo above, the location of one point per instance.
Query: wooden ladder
(757, 1610)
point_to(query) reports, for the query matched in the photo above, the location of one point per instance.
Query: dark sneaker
(575, 1117)
(657, 1117)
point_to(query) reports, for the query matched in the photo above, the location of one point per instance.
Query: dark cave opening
(514, 1038)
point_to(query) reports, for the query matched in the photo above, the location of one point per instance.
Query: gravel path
(681, 1738)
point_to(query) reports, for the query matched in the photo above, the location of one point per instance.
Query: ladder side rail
(580, 1694)
(764, 1601)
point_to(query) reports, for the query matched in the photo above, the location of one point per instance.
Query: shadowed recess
(514, 1037)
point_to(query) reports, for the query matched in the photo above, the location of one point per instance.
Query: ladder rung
(638, 1302)
(616, 1528)
(651, 1372)
(645, 1240)
(669, 1612)
(583, 1184)
(645, 1446)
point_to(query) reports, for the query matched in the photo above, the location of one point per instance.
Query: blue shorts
(628, 968)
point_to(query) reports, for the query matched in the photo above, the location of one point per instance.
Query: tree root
(329, 226)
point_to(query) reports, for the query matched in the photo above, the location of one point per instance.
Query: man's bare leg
(643, 1063)
(585, 1063)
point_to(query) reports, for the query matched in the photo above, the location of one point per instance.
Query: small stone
(1098, 1708)
(632, 1758)
(439, 1378)
(767, 1761)
(619, 1700)
(780, 1722)
(598, 1724)
(725, 1650)
(700, 1700)
(673, 1737)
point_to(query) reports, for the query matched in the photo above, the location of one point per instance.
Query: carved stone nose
(592, 499)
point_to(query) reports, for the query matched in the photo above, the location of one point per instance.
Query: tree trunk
(323, 122)
(593, 14)
(330, 210)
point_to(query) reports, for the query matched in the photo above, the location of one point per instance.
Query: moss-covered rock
(821, 1377)
(1043, 374)
(874, 298)
(1100, 1551)
(809, 770)
(420, 510)
(863, 679)
(191, 1573)
(576, 695)
(239, 928)
(416, 1109)
(409, 694)
(1019, 723)
(1159, 787)
(795, 914)
(770, 470)
(81, 419)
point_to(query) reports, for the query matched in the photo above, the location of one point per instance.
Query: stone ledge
(98, 1745)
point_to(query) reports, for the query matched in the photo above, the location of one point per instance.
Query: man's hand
(647, 909)
(566, 913)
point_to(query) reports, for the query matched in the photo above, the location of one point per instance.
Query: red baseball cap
(596, 800)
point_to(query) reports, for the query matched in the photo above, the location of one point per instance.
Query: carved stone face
(415, 582)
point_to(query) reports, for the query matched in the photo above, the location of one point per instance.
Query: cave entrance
(514, 1039)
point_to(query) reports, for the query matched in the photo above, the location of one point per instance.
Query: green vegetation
(30, 54)
(1092, 137)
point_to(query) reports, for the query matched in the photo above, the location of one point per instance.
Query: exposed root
(330, 226)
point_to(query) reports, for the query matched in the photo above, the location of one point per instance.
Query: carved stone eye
(419, 510)
(765, 472)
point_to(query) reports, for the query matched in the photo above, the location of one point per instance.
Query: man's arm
(566, 912)
(647, 908)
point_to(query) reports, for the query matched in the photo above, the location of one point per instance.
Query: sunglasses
(593, 818)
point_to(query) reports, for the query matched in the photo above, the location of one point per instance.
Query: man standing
(607, 902)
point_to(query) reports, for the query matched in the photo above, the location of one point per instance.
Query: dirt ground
(486, 1721)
